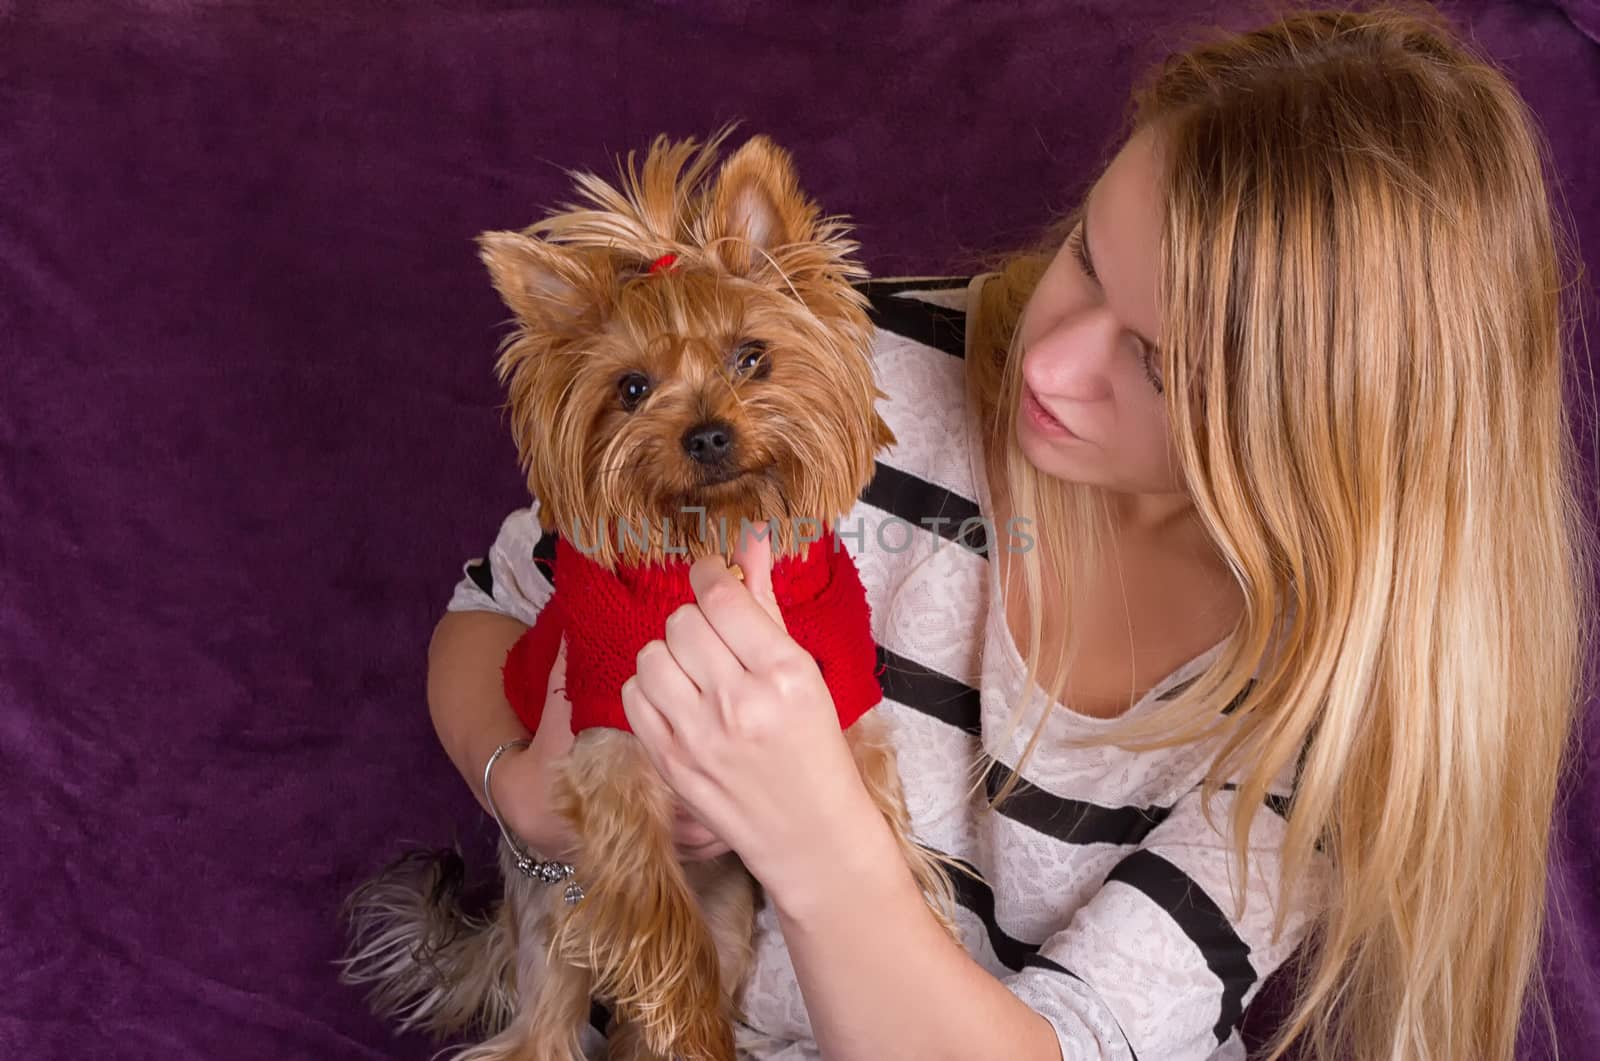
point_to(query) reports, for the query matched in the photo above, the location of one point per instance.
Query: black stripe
(922, 322)
(1208, 927)
(1013, 953)
(480, 574)
(1172, 693)
(1279, 805)
(1232, 705)
(936, 695)
(544, 555)
(927, 505)
(1072, 821)
(978, 897)
(894, 285)
(1039, 961)
(1275, 803)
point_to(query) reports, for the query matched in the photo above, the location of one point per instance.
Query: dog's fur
(665, 945)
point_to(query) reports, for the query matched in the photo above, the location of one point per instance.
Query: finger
(742, 622)
(703, 852)
(688, 833)
(554, 735)
(694, 841)
(651, 727)
(665, 683)
(753, 553)
(702, 655)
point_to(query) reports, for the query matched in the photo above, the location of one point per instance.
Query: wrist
(860, 864)
(518, 788)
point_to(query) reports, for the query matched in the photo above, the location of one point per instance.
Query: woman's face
(1092, 409)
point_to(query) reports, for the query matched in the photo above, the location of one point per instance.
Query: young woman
(1277, 637)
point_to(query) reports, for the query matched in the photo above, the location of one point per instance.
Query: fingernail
(736, 571)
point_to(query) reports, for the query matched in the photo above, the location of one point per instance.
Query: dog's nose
(708, 443)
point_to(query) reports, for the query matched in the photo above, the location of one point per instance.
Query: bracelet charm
(545, 871)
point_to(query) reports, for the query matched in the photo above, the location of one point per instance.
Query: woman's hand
(738, 720)
(521, 780)
(521, 777)
(694, 841)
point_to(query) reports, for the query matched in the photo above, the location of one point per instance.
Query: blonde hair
(1362, 342)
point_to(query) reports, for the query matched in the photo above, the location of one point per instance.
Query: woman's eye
(1080, 253)
(632, 389)
(751, 359)
(1147, 358)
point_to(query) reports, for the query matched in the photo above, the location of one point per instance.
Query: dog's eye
(750, 359)
(632, 389)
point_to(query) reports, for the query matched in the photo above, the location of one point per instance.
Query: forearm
(883, 981)
(466, 699)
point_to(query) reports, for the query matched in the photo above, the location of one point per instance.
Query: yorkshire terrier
(691, 361)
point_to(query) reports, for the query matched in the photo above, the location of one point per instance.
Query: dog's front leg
(728, 896)
(638, 928)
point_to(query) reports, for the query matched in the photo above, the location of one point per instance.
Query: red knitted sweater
(823, 603)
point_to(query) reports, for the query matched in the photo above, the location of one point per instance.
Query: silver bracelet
(543, 871)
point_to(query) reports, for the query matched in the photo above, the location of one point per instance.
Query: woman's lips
(1040, 418)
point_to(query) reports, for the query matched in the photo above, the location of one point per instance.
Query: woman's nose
(1070, 361)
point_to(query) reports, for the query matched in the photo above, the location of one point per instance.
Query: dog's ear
(546, 286)
(755, 207)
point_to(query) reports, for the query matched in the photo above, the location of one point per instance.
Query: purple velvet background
(249, 432)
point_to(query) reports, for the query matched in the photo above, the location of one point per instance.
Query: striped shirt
(1109, 903)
